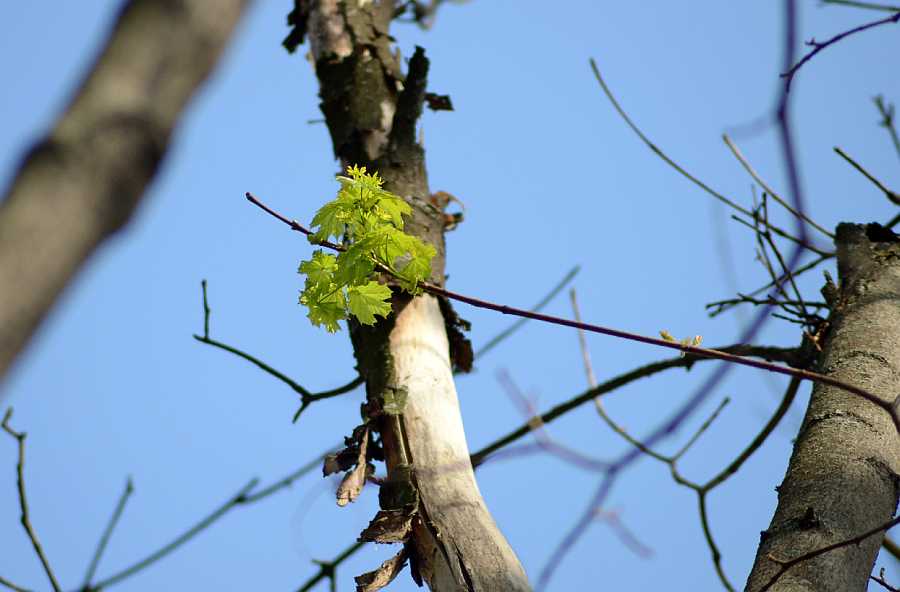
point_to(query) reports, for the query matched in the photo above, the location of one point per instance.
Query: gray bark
(81, 183)
(843, 478)
(371, 110)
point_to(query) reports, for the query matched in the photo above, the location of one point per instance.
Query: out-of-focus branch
(886, 110)
(23, 500)
(81, 183)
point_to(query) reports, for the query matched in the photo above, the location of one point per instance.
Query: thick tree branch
(81, 183)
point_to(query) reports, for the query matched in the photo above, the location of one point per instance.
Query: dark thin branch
(886, 110)
(107, 533)
(190, 533)
(765, 186)
(289, 479)
(682, 347)
(589, 395)
(800, 270)
(328, 569)
(866, 5)
(306, 397)
(672, 460)
(893, 196)
(818, 46)
(242, 497)
(11, 586)
(23, 499)
(786, 565)
(493, 342)
(678, 168)
(719, 305)
(883, 582)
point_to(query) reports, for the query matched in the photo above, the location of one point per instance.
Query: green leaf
(320, 269)
(369, 300)
(370, 221)
(330, 220)
(355, 265)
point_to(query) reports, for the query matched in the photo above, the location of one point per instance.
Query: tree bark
(82, 182)
(843, 478)
(371, 110)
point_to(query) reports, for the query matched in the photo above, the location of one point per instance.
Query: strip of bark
(81, 183)
(844, 475)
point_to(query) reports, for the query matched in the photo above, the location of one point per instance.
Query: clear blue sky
(114, 385)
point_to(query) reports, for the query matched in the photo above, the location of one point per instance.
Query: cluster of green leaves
(369, 222)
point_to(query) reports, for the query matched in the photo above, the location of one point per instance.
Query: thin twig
(23, 500)
(306, 397)
(190, 533)
(327, 569)
(682, 347)
(800, 270)
(819, 46)
(891, 195)
(682, 171)
(886, 110)
(107, 533)
(765, 186)
(883, 582)
(536, 308)
(867, 5)
(619, 381)
(786, 565)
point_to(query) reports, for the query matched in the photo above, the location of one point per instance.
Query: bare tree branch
(306, 397)
(818, 46)
(23, 500)
(107, 533)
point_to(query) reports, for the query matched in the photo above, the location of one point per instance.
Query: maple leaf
(369, 300)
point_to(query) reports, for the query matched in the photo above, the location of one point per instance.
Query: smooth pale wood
(440, 457)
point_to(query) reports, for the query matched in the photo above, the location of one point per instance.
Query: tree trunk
(82, 183)
(371, 111)
(843, 478)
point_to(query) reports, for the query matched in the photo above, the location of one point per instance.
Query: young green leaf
(369, 220)
(369, 300)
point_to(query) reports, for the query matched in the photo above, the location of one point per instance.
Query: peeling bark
(843, 478)
(82, 183)
(371, 110)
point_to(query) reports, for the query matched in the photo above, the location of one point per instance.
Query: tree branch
(81, 183)
(819, 46)
(306, 397)
(23, 500)
(107, 533)
(887, 406)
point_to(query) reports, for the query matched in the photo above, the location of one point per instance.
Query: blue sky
(114, 385)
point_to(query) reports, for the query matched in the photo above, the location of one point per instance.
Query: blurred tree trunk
(371, 110)
(81, 183)
(844, 475)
